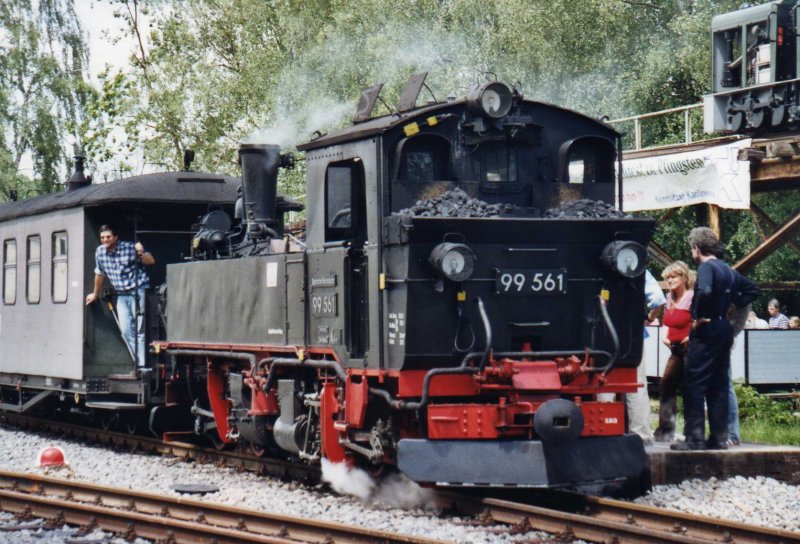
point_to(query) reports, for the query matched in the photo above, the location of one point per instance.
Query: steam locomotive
(467, 345)
(754, 69)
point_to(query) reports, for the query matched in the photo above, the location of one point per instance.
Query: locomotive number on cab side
(323, 305)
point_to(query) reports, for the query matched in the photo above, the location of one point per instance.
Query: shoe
(663, 436)
(732, 442)
(685, 445)
(714, 445)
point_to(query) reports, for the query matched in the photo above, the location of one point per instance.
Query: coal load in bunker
(461, 297)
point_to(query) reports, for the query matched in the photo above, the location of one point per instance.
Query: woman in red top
(677, 324)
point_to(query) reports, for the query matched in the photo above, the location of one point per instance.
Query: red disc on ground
(51, 457)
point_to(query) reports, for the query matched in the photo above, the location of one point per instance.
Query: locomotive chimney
(260, 164)
(78, 180)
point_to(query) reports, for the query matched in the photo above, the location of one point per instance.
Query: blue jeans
(131, 327)
(734, 433)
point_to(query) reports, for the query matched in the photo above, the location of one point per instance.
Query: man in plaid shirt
(119, 262)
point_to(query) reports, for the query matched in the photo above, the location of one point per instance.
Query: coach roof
(177, 187)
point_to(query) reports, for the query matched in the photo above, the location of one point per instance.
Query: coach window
(9, 272)
(587, 160)
(344, 200)
(59, 267)
(34, 269)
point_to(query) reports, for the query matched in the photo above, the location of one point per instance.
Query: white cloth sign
(713, 175)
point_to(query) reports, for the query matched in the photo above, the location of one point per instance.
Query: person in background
(677, 324)
(638, 404)
(738, 314)
(120, 262)
(776, 319)
(706, 376)
(755, 322)
(794, 322)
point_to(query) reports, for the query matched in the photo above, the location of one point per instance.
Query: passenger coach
(50, 342)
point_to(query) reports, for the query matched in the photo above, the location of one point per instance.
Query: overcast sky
(98, 21)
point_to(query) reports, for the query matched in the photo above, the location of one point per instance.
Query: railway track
(594, 519)
(565, 515)
(170, 519)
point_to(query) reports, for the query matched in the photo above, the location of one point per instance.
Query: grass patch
(761, 419)
(766, 432)
(768, 421)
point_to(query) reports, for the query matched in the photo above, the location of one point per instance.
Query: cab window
(59, 267)
(497, 164)
(9, 272)
(34, 269)
(344, 188)
(424, 159)
(588, 160)
(759, 51)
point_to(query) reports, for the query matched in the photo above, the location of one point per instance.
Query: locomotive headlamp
(492, 99)
(626, 258)
(456, 262)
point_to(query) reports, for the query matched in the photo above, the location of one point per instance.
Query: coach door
(346, 221)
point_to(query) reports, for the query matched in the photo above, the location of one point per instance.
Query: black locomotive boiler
(433, 318)
(754, 75)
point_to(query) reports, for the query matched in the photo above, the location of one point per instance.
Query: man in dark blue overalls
(705, 375)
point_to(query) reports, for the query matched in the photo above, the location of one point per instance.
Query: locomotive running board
(116, 405)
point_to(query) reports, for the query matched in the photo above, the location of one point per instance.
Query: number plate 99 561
(531, 282)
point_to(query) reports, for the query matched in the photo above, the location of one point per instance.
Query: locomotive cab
(754, 69)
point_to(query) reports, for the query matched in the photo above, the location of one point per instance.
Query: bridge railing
(688, 124)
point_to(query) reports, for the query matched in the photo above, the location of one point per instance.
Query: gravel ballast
(757, 501)
(396, 505)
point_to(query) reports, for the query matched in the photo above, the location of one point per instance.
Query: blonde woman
(677, 324)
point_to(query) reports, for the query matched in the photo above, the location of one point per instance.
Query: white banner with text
(713, 175)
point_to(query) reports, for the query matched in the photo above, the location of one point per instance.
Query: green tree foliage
(209, 71)
(42, 62)
(208, 74)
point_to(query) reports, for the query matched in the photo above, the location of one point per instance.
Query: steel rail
(175, 518)
(606, 520)
(701, 527)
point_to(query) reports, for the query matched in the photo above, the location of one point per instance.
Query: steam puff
(398, 491)
(394, 491)
(346, 480)
(315, 91)
(291, 128)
